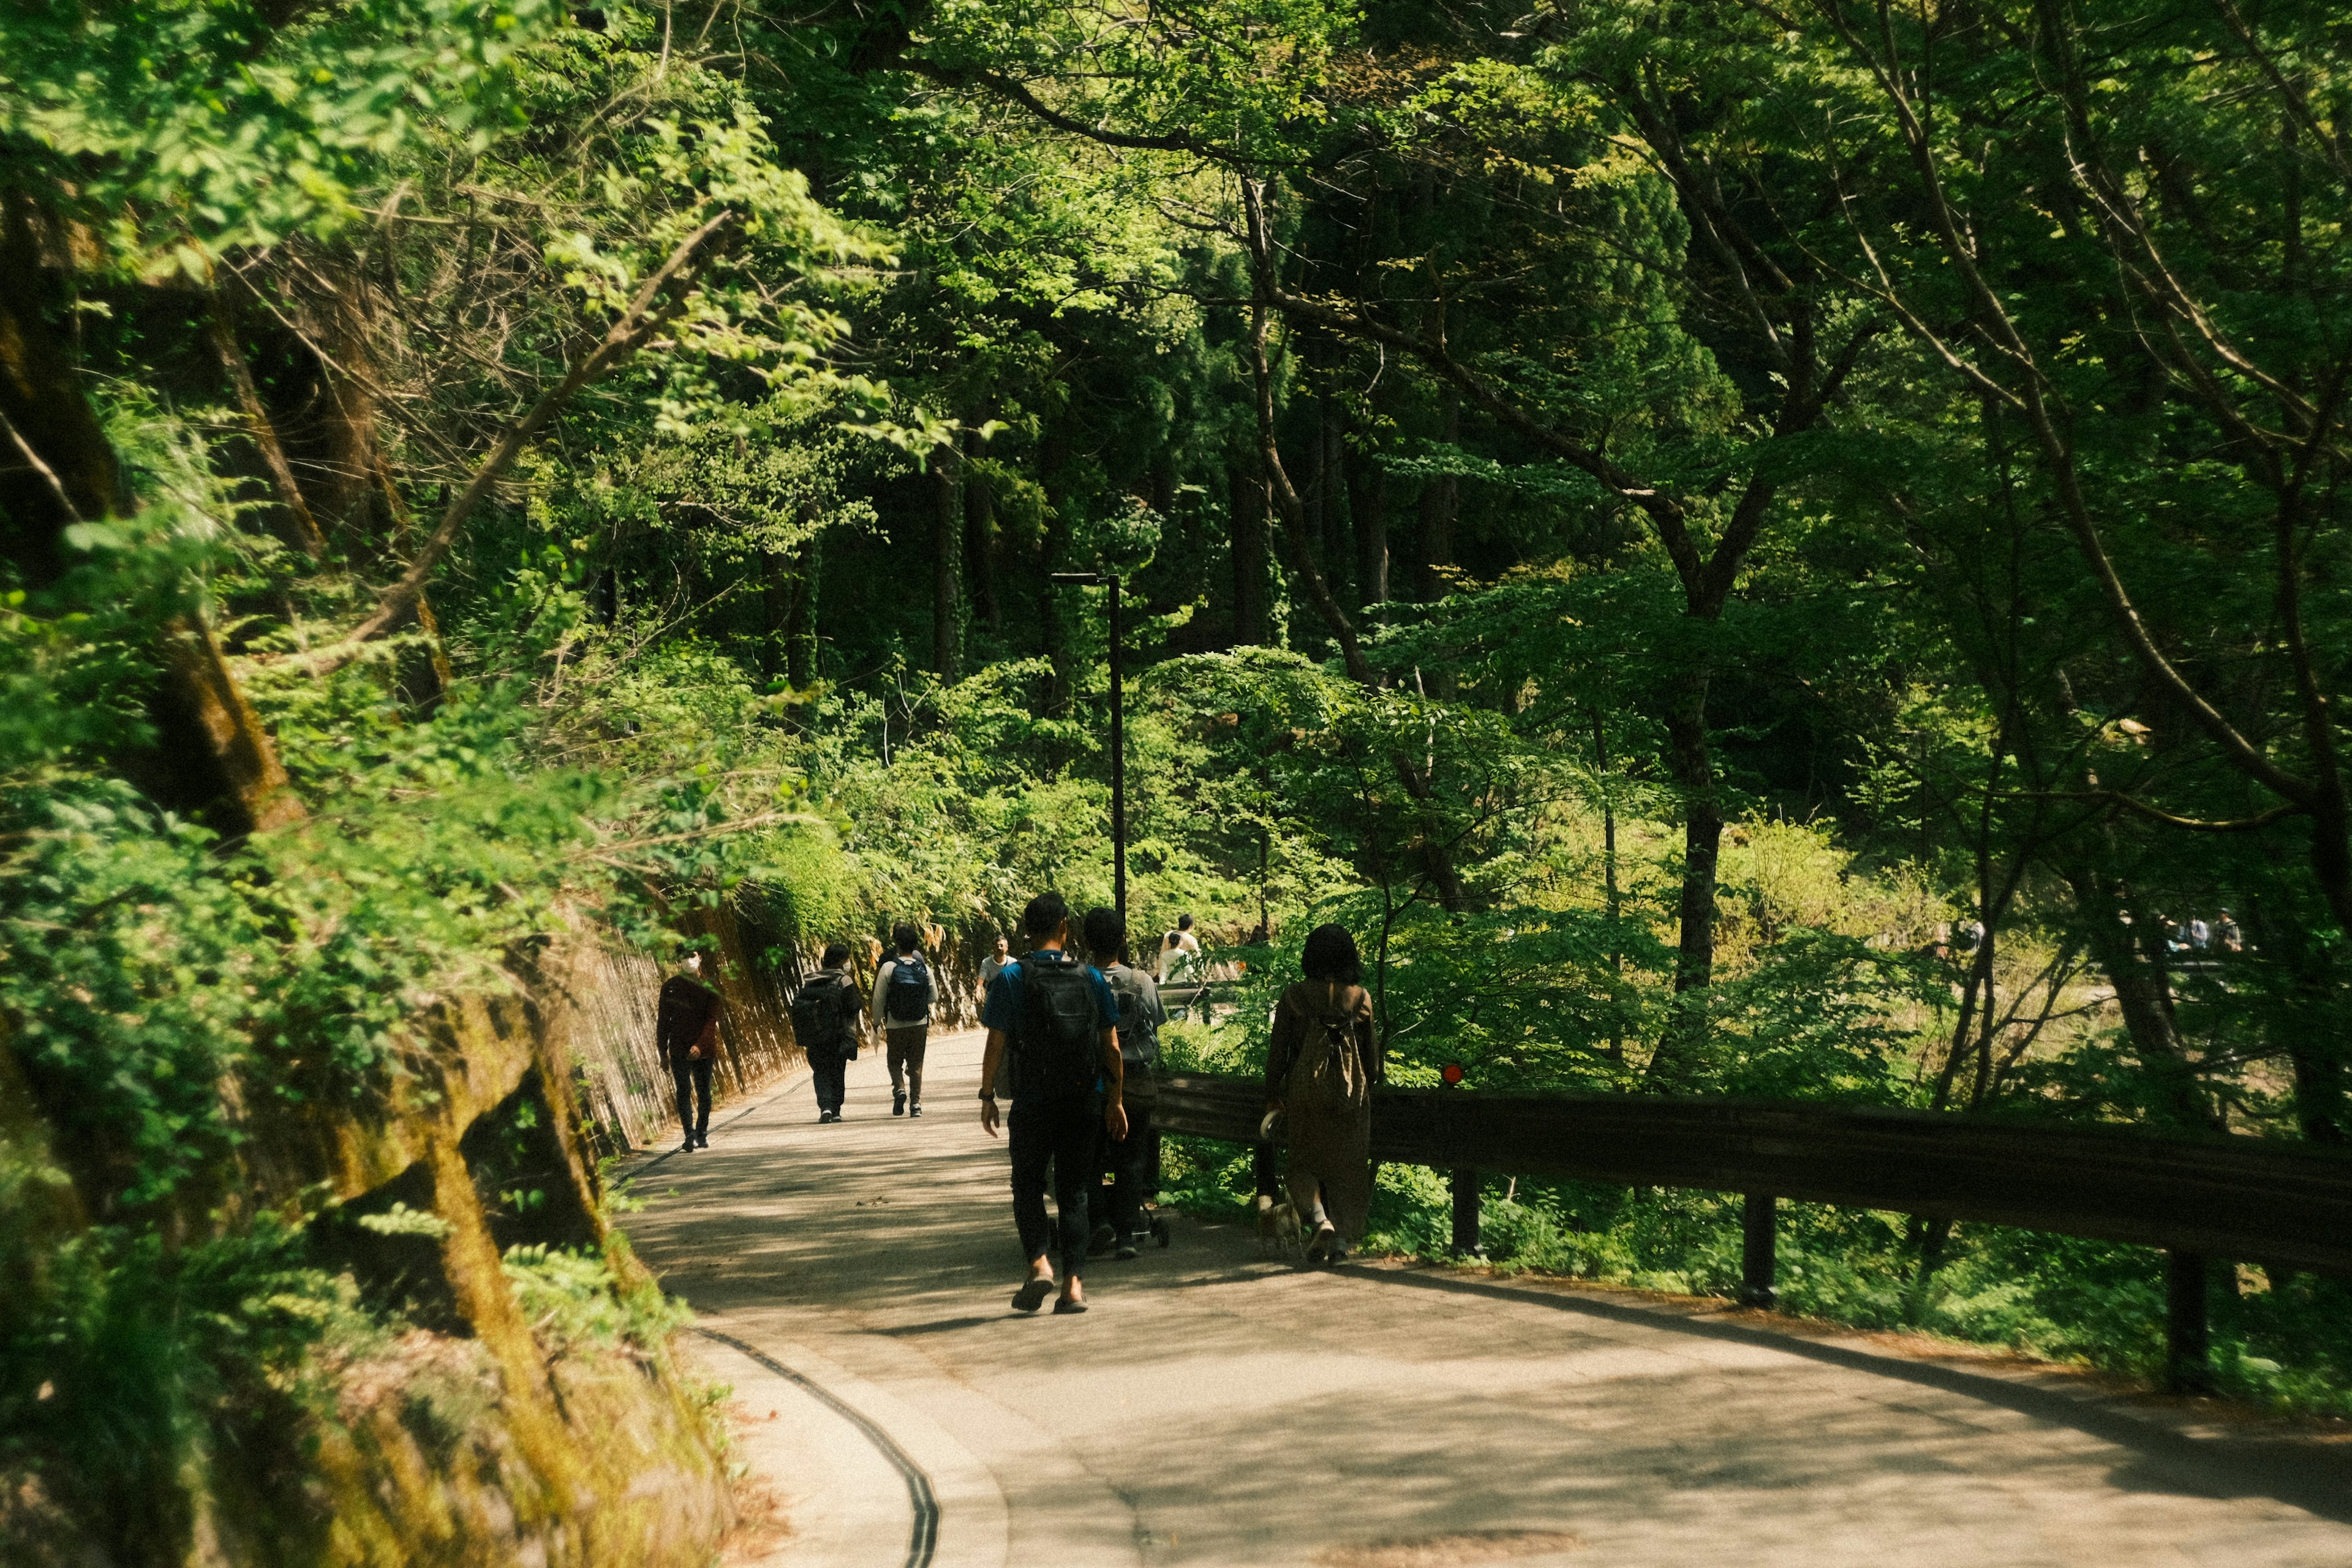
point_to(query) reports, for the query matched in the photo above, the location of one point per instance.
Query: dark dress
(1327, 1104)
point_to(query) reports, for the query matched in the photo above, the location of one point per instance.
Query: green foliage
(575, 1300)
(190, 128)
(124, 1361)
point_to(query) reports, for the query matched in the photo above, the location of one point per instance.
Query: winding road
(1218, 1406)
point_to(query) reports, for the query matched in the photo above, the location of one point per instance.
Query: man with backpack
(686, 1037)
(825, 1021)
(1058, 1019)
(1128, 1159)
(903, 994)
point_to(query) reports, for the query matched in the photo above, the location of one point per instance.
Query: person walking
(903, 994)
(1179, 953)
(686, 1037)
(1320, 1071)
(1057, 1018)
(993, 965)
(825, 1021)
(1128, 1159)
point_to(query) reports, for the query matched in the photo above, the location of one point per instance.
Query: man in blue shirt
(1057, 1019)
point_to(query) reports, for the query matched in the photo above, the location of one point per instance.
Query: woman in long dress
(1319, 1072)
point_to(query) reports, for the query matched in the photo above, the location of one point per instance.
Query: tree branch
(663, 295)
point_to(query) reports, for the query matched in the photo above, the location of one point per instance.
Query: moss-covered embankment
(396, 1332)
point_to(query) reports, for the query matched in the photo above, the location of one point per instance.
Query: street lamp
(1117, 732)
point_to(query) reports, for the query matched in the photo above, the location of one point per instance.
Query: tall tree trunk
(1368, 510)
(345, 330)
(2305, 1025)
(61, 470)
(946, 591)
(301, 527)
(1052, 456)
(1335, 539)
(1245, 484)
(1690, 761)
(979, 539)
(2134, 961)
(438, 675)
(800, 617)
(1441, 504)
(779, 589)
(1436, 852)
(1614, 899)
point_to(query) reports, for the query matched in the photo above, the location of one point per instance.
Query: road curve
(1218, 1407)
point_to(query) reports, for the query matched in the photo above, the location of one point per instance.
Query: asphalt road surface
(1219, 1406)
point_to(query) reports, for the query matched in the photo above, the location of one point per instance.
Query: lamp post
(1118, 732)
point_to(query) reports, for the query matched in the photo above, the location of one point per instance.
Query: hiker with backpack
(826, 1011)
(1057, 1019)
(903, 994)
(1319, 1072)
(1128, 1159)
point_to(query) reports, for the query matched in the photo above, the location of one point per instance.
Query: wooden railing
(2282, 1205)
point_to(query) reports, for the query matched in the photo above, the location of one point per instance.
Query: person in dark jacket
(825, 1013)
(686, 1037)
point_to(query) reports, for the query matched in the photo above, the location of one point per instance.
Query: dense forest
(1743, 549)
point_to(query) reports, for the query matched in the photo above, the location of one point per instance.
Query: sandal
(1066, 1307)
(1031, 1295)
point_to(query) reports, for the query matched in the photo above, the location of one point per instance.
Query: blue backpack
(909, 996)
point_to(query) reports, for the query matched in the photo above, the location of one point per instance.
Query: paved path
(1218, 1407)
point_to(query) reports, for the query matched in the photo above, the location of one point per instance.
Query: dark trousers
(828, 1069)
(1129, 1165)
(902, 1046)
(693, 1081)
(1060, 1132)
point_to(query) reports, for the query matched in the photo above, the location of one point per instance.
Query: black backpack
(1061, 1027)
(909, 996)
(819, 1015)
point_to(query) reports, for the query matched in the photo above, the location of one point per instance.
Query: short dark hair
(905, 936)
(1184, 922)
(1331, 955)
(1106, 934)
(836, 954)
(1045, 915)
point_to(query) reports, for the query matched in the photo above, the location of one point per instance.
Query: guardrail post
(1758, 1265)
(1465, 1212)
(2188, 1343)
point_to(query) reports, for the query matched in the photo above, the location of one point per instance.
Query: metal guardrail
(2278, 1203)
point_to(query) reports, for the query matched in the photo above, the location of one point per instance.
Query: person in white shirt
(993, 965)
(903, 996)
(1179, 953)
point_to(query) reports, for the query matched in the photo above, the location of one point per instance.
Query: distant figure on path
(1319, 1072)
(1179, 953)
(825, 1021)
(1058, 1016)
(2232, 939)
(1128, 1159)
(686, 1037)
(903, 994)
(993, 965)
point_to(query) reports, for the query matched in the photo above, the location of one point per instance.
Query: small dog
(1278, 1230)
